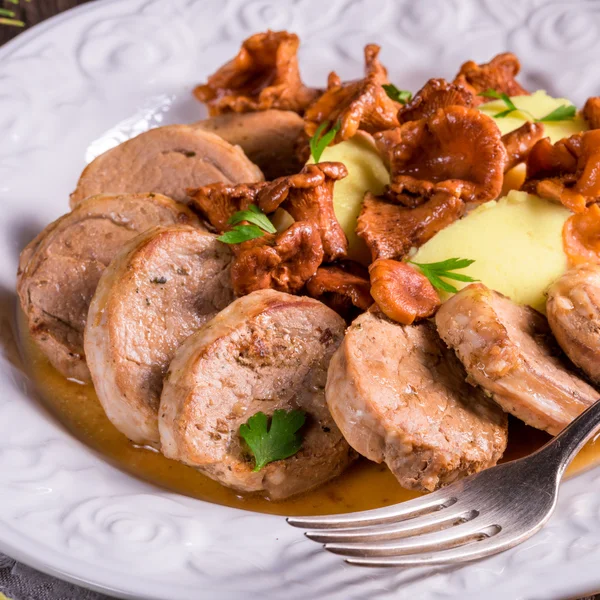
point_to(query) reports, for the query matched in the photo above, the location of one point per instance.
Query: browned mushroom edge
(499, 75)
(344, 287)
(456, 150)
(390, 230)
(591, 112)
(263, 75)
(519, 142)
(436, 93)
(355, 105)
(307, 195)
(567, 172)
(284, 261)
(401, 292)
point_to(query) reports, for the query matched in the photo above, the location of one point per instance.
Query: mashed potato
(539, 104)
(516, 243)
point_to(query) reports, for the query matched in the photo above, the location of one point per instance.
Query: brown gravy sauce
(363, 486)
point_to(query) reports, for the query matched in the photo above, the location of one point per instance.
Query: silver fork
(481, 515)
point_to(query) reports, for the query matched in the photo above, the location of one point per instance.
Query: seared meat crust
(161, 288)
(509, 350)
(60, 269)
(266, 351)
(400, 397)
(166, 160)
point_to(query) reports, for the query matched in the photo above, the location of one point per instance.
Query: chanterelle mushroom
(386, 141)
(581, 236)
(591, 112)
(219, 201)
(308, 195)
(361, 104)
(390, 230)
(284, 262)
(436, 93)
(402, 293)
(499, 75)
(341, 287)
(568, 171)
(519, 142)
(263, 75)
(456, 150)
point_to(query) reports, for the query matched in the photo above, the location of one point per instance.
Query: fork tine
(406, 510)
(474, 550)
(430, 542)
(439, 520)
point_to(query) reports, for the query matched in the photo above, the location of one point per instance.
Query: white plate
(89, 78)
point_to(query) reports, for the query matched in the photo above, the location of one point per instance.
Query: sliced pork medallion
(168, 160)
(399, 396)
(509, 350)
(573, 309)
(269, 138)
(266, 351)
(60, 268)
(163, 286)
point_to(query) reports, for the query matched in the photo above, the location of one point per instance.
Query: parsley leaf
(253, 215)
(510, 105)
(503, 114)
(402, 96)
(566, 112)
(258, 224)
(241, 233)
(491, 93)
(320, 140)
(434, 272)
(275, 442)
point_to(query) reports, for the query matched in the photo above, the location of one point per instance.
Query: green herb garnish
(241, 233)
(258, 225)
(13, 22)
(4, 12)
(321, 140)
(490, 93)
(401, 96)
(434, 271)
(566, 112)
(273, 441)
(253, 215)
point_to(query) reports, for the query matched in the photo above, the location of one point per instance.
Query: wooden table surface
(34, 11)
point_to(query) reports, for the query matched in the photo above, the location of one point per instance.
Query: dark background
(33, 12)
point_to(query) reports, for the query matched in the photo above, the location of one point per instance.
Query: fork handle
(563, 448)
